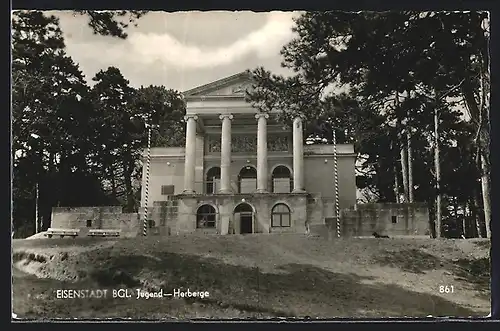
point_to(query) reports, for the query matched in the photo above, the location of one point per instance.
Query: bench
(62, 232)
(104, 233)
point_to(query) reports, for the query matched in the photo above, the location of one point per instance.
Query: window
(247, 180)
(281, 180)
(213, 180)
(167, 189)
(394, 219)
(280, 216)
(205, 217)
(89, 223)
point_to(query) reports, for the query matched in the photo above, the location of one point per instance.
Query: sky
(182, 50)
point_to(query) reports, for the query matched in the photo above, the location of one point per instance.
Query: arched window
(213, 180)
(280, 216)
(281, 180)
(247, 180)
(205, 217)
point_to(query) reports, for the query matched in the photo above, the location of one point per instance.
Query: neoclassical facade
(242, 172)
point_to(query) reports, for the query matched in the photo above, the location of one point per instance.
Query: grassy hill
(254, 276)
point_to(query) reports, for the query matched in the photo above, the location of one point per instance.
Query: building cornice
(194, 92)
(215, 97)
(271, 155)
(327, 155)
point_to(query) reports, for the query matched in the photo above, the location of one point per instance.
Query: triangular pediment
(235, 85)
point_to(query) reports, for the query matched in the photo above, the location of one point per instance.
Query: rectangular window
(275, 220)
(394, 219)
(213, 186)
(167, 189)
(205, 221)
(248, 185)
(285, 219)
(280, 220)
(281, 185)
(89, 223)
(216, 185)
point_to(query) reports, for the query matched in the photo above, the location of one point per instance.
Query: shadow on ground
(297, 290)
(410, 260)
(483, 244)
(63, 242)
(476, 272)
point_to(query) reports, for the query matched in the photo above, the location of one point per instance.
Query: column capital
(259, 115)
(187, 117)
(298, 121)
(223, 116)
(299, 118)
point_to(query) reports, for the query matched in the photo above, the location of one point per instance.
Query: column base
(261, 191)
(224, 191)
(298, 190)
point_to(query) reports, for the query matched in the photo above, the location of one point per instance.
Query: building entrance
(243, 215)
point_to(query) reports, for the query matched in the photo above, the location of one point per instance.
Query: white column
(298, 156)
(189, 162)
(261, 152)
(225, 154)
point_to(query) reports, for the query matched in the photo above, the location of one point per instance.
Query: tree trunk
(471, 216)
(484, 132)
(410, 167)
(485, 188)
(455, 208)
(409, 150)
(128, 167)
(395, 168)
(477, 223)
(402, 149)
(113, 184)
(404, 171)
(396, 185)
(37, 219)
(457, 215)
(437, 166)
(479, 215)
(480, 115)
(466, 216)
(475, 200)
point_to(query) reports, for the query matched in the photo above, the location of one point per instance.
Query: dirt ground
(254, 276)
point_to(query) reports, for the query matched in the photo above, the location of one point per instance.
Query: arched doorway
(247, 180)
(281, 180)
(212, 184)
(243, 218)
(206, 217)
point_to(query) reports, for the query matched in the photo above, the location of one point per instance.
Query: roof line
(215, 83)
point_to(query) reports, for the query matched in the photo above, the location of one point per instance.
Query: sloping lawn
(253, 276)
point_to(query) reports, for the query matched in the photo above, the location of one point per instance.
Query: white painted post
(336, 175)
(146, 187)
